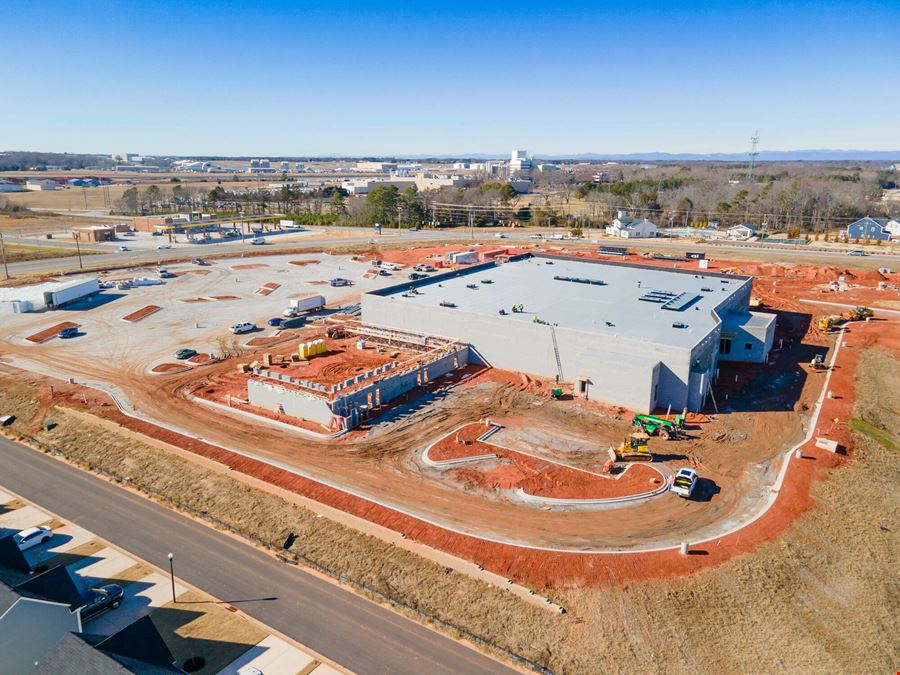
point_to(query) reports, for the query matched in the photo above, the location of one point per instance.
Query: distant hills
(764, 156)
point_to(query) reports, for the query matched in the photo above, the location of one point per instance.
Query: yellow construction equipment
(860, 314)
(828, 323)
(635, 448)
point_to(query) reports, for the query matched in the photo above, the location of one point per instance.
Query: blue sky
(299, 78)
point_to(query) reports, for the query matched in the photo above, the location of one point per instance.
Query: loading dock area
(632, 335)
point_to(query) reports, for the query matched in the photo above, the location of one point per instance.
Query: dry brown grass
(823, 598)
(196, 626)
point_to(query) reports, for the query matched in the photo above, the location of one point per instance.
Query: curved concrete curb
(447, 463)
(609, 501)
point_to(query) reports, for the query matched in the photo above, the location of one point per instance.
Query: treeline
(14, 160)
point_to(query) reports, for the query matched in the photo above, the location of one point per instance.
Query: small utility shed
(638, 336)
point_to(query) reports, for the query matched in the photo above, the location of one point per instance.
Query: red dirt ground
(249, 266)
(200, 359)
(300, 263)
(224, 297)
(265, 289)
(194, 300)
(536, 476)
(170, 368)
(141, 313)
(548, 569)
(51, 332)
(272, 340)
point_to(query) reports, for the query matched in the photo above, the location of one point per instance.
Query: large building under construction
(633, 335)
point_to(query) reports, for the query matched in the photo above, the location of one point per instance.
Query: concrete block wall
(270, 395)
(397, 384)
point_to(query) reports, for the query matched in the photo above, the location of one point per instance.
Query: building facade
(636, 336)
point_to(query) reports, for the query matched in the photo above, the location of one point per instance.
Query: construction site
(525, 412)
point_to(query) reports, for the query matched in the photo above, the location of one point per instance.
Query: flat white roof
(35, 292)
(634, 302)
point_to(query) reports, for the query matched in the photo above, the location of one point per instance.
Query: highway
(354, 632)
(360, 236)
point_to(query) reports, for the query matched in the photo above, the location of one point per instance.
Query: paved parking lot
(197, 307)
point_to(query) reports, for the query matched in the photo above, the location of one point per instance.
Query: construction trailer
(643, 337)
(48, 295)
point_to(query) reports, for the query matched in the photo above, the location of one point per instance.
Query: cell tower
(754, 152)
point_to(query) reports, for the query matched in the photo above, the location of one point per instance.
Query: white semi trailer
(307, 302)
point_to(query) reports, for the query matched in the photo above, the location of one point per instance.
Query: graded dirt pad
(265, 289)
(224, 297)
(51, 332)
(272, 340)
(512, 470)
(249, 266)
(194, 300)
(200, 359)
(300, 263)
(141, 313)
(199, 272)
(169, 368)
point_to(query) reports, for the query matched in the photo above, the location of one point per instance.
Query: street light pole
(172, 575)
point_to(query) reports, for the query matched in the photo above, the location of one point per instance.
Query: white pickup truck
(684, 483)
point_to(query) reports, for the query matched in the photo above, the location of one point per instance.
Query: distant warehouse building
(35, 184)
(636, 336)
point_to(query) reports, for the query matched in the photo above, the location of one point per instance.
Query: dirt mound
(48, 333)
(168, 368)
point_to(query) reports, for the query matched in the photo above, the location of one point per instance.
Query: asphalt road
(273, 245)
(358, 634)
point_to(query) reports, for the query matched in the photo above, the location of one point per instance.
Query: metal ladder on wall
(556, 353)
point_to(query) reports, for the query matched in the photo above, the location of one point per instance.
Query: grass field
(822, 598)
(22, 252)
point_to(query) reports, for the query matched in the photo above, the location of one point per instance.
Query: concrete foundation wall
(384, 390)
(618, 371)
(272, 396)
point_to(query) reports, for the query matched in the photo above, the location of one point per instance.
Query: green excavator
(660, 426)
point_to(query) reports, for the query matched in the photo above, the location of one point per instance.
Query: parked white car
(33, 536)
(161, 247)
(499, 235)
(123, 248)
(684, 483)
(258, 241)
(242, 327)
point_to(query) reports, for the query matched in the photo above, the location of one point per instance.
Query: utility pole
(3, 252)
(77, 250)
(471, 223)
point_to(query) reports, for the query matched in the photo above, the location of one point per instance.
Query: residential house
(631, 228)
(741, 231)
(884, 229)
